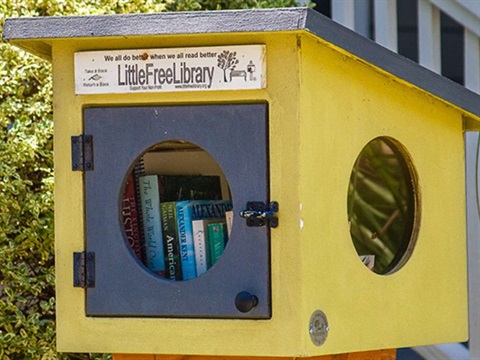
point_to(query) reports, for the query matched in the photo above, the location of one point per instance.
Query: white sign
(176, 69)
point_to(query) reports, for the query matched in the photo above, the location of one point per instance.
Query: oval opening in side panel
(383, 205)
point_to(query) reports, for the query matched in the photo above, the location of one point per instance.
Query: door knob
(244, 301)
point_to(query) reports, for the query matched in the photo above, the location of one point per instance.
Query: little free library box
(251, 183)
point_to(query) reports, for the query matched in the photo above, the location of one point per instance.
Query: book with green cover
(216, 240)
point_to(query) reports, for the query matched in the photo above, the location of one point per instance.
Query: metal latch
(260, 214)
(82, 152)
(84, 269)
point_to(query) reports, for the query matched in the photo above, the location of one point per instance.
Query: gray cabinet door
(236, 136)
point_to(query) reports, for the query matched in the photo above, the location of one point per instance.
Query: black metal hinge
(260, 214)
(84, 269)
(82, 153)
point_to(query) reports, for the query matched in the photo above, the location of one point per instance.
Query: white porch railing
(467, 14)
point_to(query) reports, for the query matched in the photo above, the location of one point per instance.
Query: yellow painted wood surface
(389, 354)
(353, 104)
(324, 106)
(144, 335)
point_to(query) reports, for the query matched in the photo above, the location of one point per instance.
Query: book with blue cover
(185, 235)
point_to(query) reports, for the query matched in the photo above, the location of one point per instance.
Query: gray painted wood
(168, 23)
(35, 35)
(236, 136)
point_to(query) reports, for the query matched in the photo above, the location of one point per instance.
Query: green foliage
(184, 5)
(27, 302)
(27, 280)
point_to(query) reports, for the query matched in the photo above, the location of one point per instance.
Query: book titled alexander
(208, 209)
(131, 218)
(150, 203)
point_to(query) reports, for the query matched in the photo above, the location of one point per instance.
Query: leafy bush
(27, 278)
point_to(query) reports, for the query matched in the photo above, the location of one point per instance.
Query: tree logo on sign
(227, 61)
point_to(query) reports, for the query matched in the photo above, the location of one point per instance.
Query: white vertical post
(343, 12)
(472, 82)
(472, 61)
(429, 54)
(473, 237)
(386, 23)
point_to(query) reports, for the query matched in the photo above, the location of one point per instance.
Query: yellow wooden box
(329, 93)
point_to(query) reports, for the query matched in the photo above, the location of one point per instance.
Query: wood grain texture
(389, 354)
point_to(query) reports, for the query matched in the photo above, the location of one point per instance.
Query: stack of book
(177, 225)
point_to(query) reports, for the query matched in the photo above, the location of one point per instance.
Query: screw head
(318, 328)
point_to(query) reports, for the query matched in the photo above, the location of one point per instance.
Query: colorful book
(173, 264)
(138, 171)
(200, 245)
(216, 239)
(229, 222)
(210, 209)
(150, 203)
(185, 235)
(131, 218)
(187, 212)
(189, 187)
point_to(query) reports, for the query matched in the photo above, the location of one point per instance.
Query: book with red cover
(131, 218)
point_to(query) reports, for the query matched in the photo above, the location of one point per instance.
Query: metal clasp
(260, 214)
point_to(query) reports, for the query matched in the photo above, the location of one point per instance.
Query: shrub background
(27, 276)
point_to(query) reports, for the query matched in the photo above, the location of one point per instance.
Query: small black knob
(244, 301)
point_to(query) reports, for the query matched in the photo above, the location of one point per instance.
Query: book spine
(131, 218)
(200, 244)
(216, 239)
(150, 201)
(138, 171)
(229, 222)
(185, 234)
(206, 209)
(189, 187)
(173, 265)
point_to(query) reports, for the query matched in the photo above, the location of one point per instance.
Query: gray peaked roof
(35, 35)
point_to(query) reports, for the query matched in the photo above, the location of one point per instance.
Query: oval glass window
(383, 206)
(176, 210)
